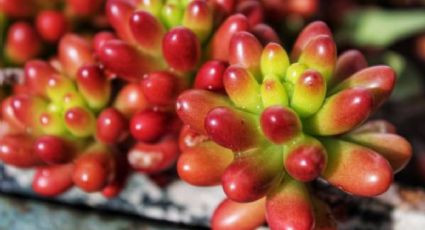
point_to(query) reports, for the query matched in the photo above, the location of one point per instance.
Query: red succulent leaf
(289, 207)
(393, 147)
(253, 174)
(74, 52)
(22, 43)
(309, 33)
(16, 150)
(193, 106)
(147, 31)
(378, 80)
(341, 112)
(231, 215)
(347, 64)
(181, 49)
(221, 38)
(119, 13)
(245, 50)
(204, 164)
(126, 61)
(53, 180)
(356, 169)
(37, 75)
(232, 128)
(111, 126)
(93, 169)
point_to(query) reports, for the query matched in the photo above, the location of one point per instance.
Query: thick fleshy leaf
(94, 86)
(100, 38)
(51, 25)
(375, 126)
(310, 32)
(309, 93)
(305, 9)
(198, 17)
(124, 60)
(289, 207)
(347, 64)
(54, 149)
(340, 113)
(94, 168)
(28, 108)
(58, 86)
(245, 50)
(224, 7)
(83, 8)
(394, 148)
(253, 10)
(210, 76)
(119, 13)
(80, 121)
(378, 80)
(148, 125)
(8, 115)
(147, 32)
(37, 75)
(280, 124)
(320, 55)
(16, 150)
(22, 43)
(274, 60)
(265, 34)
(72, 99)
(242, 88)
(111, 126)
(18, 8)
(221, 40)
(305, 159)
(204, 164)
(53, 180)
(253, 174)
(181, 49)
(273, 92)
(74, 52)
(294, 72)
(52, 123)
(232, 128)
(161, 88)
(151, 6)
(193, 106)
(231, 215)
(356, 169)
(131, 99)
(172, 14)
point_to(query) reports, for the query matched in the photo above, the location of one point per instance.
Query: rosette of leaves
(158, 47)
(272, 123)
(60, 122)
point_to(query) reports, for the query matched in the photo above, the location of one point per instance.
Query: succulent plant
(159, 47)
(284, 122)
(260, 122)
(31, 27)
(170, 36)
(60, 122)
